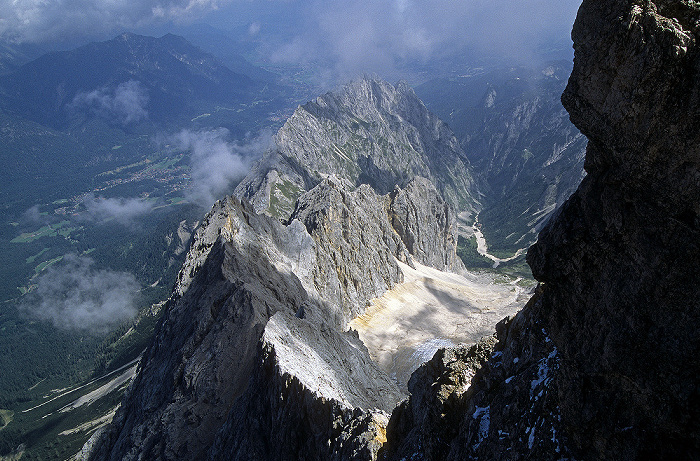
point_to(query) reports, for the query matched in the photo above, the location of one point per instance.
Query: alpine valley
(358, 290)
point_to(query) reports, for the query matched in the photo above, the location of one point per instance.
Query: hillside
(515, 132)
(128, 80)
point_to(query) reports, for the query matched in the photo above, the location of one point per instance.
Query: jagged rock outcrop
(356, 247)
(238, 273)
(316, 396)
(610, 343)
(492, 400)
(439, 388)
(338, 251)
(369, 132)
(426, 224)
(620, 263)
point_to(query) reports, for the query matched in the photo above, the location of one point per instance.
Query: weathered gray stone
(426, 225)
(316, 396)
(337, 252)
(621, 295)
(239, 272)
(608, 351)
(369, 132)
(356, 247)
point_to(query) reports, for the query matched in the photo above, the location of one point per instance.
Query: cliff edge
(603, 363)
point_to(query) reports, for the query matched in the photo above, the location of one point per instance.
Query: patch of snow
(427, 350)
(543, 374)
(484, 422)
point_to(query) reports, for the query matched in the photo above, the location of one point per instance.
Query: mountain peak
(177, 76)
(368, 132)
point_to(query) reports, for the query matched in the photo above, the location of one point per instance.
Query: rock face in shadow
(237, 274)
(603, 363)
(619, 265)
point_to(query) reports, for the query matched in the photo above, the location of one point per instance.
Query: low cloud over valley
(123, 210)
(126, 103)
(74, 295)
(217, 163)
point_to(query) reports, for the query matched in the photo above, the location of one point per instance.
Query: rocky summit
(369, 132)
(252, 359)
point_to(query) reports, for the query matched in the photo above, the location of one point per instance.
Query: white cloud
(42, 20)
(253, 28)
(122, 210)
(360, 36)
(126, 103)
(216, 163)
(73, 295)
(342, 39)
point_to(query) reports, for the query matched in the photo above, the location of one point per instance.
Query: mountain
(368, 132)
(13, 55)
(253, 295)
(92, 178)
(128, 79)
(100, 106)
(515, 132)
(254, 358)
(602, 363)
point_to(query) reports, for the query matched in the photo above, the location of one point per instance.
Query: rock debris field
(433, 309)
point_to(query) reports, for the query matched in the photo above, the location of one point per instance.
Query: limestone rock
(426, 225)
(316, 395)
(622, 305)
(369, 132)
(239, 271)
(356, 247)
(338, 251)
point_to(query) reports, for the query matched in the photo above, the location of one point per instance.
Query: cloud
(123, 210)
(216, 163)
(42, 21)
(33, 216)
(368, 36)
(254, 28)
(73, 295)
(126, 103)
(336, 39)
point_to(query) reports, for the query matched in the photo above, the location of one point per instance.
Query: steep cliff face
(315, 396)
(622, 305)
(426, 224)
(313, 274)
(603, 363)
(369, 132)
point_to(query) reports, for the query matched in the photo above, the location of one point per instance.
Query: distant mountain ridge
(177, 78)
(515, 132)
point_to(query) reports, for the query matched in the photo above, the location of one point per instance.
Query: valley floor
(434, 309)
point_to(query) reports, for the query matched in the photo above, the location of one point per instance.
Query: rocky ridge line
(314, 273)
(368, 132)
